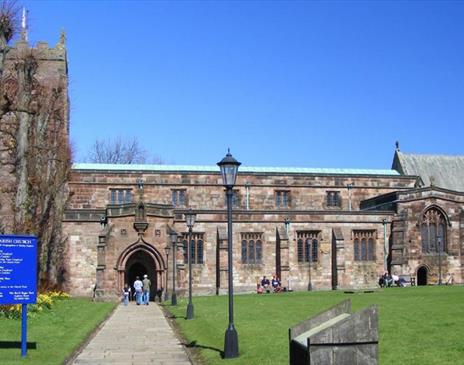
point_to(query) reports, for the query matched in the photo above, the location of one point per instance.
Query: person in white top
(138, 285)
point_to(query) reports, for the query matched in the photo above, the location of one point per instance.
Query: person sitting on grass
(266, 284)
(382, 281)
(385, 280)
(276, 284)
(388, 279)
(259, 289)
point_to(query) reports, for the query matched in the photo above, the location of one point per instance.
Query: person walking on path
(146, 289)
(138, 285)
(126, 294)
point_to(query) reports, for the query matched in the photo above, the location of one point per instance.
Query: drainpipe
(349, 187)
(385, 245)
(247, 195)
(287, 225)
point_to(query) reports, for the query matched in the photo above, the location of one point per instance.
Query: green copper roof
(242, 169)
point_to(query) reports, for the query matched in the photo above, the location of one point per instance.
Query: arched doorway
(422, 273)
(140, 263)
(139, 259)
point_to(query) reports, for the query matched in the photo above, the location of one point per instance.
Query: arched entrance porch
(139, 259)
(140, 263)
(422, 273)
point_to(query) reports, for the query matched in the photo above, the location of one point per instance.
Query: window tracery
(433, 231)
(252, 248)
(308, 246)
(364, 245)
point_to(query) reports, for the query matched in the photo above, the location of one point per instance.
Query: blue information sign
(18, 269)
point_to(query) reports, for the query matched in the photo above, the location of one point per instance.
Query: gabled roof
(443, 171)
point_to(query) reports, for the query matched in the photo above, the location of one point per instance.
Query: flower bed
(45, 301)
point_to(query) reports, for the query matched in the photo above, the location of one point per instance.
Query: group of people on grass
(268, 286)
(141, 291)
(387, 280)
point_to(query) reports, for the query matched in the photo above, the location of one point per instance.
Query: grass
(418, 325)
(57, 332)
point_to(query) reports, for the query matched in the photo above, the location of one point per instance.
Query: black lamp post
(190, 221)
(229, 167)
(173, 237)
(166, 294)
(439, 261)
(310, 256)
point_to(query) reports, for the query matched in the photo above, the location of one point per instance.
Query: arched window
(315, 251)
(184, 246)
(252, 251)
(441, 236)
(433, 231)
(307, 249)
(363, 249)
(364, 245)
(244, 252)
(300, 250)
(192, 250)
(196, 248)
(356, 250)
(308, 246)
(199, 251)
(425, 237)
(259, 251)
(370, 249)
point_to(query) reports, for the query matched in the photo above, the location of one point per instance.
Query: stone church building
(314, 228)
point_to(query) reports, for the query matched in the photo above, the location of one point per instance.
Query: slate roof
(446, 171)
(242, 169)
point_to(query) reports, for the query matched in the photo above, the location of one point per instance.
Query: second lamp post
(173, 237)
(166, 294)
(190, 221)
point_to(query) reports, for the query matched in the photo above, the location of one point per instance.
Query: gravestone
(336, 337)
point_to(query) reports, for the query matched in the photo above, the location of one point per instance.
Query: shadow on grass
(17, 345)
(194, 345)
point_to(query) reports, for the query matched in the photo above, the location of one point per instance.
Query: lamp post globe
(190, 221)
(229, 168)
(166, 294)
(173, 238)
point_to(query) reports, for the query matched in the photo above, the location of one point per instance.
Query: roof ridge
(431, 155)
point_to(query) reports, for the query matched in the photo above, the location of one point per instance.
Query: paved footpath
(136, 335)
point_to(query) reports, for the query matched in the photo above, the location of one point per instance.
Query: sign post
(18, 276)
(23, 330)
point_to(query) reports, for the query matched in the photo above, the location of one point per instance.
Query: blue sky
(304, 84)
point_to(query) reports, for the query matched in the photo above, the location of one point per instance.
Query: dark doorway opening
(139, 264)
(422, 276)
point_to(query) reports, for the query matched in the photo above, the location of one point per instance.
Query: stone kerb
(336, 337)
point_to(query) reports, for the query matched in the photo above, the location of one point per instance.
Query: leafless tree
(8, 27)
(118, 151)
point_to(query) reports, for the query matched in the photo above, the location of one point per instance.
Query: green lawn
(418, 325)
(56, 332)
